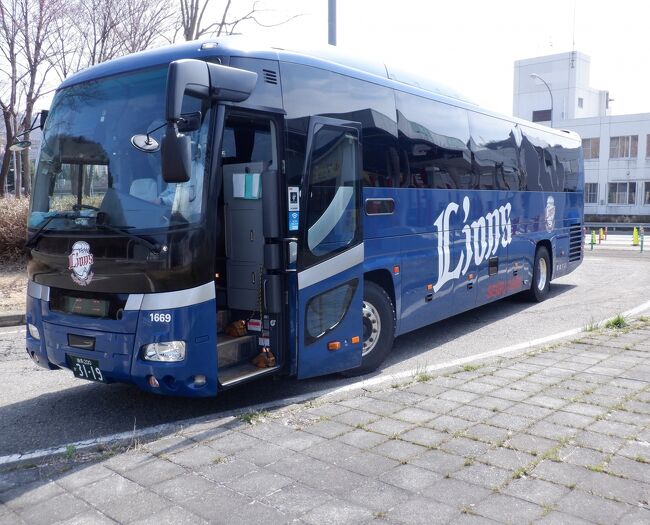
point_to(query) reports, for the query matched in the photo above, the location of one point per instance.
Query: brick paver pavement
(558, 435)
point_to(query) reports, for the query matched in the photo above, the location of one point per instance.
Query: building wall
(568, 77)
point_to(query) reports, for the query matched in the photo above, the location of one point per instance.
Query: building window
(581, 102)
(646, 193)
(591, 148)
(623, 147)
(591, 193)
(543, 115)
(621, 193)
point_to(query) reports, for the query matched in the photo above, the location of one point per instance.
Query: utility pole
(331, 22)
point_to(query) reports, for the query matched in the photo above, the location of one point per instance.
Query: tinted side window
(381, 162)
(540, 162)
(246, 140)
(495, 147)
(433, 140)
(568, 163)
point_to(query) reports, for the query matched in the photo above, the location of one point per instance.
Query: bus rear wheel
(541, 284)
(378, 328)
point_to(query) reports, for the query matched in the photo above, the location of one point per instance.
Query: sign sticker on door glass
(294, 219)
(294, 201)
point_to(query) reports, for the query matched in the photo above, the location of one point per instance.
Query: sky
(471, 46)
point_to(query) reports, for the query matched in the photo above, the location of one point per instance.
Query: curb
(12, 319)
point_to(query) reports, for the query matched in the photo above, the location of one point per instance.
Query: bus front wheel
(378, 328)
(541, 284)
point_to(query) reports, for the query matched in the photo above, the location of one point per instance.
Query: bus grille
(575, 242)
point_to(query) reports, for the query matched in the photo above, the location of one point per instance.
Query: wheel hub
(371, 328)
(541, 273)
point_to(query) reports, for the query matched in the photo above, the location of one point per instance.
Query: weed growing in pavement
(468, 462)
(596, 468)
(421, 375)
(470, 368)
(218, 460)
(252, 417)
(70, 451)
(548, 508)
(641, 459)
(520, 473)
(591, 326)
(616, 322)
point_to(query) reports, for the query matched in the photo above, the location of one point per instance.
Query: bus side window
(433, 142)
(495, 152)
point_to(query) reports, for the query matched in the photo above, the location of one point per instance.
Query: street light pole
(535, 75)
(331, 22)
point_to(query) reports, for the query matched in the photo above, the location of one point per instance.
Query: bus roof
(328, 57)
(244, 46)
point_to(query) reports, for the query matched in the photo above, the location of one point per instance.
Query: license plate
(85, 368)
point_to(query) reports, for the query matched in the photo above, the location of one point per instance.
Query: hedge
(13, 227)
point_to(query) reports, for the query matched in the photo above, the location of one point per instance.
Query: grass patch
(468, 462)
(470, 368)
(218, 460)
(617, 322)
(70, 452)
(641, 459)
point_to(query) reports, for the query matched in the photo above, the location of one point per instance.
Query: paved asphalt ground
(558, 435)
(41, 409)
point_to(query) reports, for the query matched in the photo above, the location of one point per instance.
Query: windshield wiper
(33, 239)
(100, 223)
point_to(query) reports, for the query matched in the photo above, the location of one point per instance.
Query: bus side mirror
(43, 118)
(176, 155)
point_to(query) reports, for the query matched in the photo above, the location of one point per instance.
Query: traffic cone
(635, 237)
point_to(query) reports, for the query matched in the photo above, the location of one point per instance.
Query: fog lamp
(169, 351)
(33, 331)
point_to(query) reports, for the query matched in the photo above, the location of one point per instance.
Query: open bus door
(330, 254)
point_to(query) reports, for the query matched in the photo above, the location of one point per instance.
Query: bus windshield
(88, 163)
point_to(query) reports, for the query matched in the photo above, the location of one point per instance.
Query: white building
(616, 147)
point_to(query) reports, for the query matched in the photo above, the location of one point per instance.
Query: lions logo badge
(80, 261)
(550, 213)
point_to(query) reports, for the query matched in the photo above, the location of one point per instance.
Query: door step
(235, 350)
(233, 375)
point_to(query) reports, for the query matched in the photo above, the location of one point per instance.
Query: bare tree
(194, 24)
(9, 49)
(37, 24)
(144, 23)
(94, 31)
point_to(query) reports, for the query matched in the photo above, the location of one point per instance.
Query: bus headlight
(168, 352)
(33, 331)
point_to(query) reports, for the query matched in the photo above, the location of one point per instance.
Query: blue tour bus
(208, 213)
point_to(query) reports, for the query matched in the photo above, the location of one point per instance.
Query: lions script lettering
(482, 239)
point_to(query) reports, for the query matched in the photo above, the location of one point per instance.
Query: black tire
(541, 284)
(378, 336)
